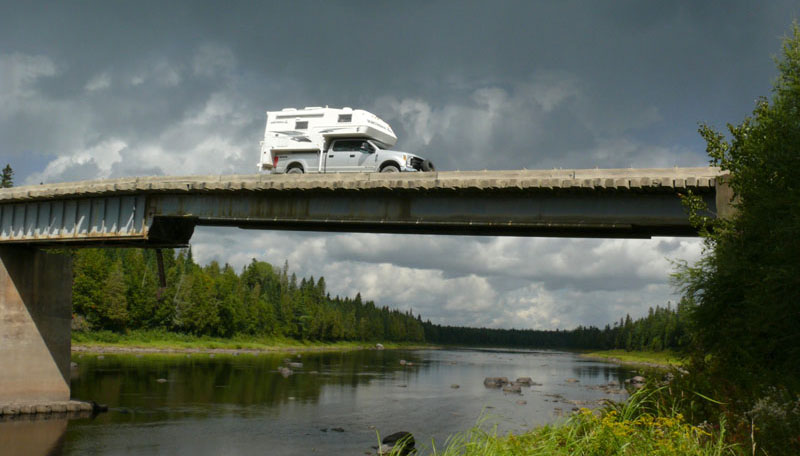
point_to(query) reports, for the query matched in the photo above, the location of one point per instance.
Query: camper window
(345, 118)
(301, 125)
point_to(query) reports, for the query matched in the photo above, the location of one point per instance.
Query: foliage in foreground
(640, 426)
(746, 288)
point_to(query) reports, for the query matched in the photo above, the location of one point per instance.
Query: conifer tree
(115, 308)
(7, 181)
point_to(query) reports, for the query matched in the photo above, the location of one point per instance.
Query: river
(336, 403)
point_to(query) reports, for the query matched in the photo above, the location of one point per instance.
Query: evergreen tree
(115, 308)
(7, 181)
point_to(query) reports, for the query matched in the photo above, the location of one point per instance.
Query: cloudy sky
(97, 89)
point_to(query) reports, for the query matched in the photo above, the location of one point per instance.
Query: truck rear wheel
(427, 165)
(390, 169)
(295, 170)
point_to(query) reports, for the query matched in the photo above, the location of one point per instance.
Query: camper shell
(316, 139)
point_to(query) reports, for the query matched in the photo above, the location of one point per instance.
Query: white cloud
(495, 282)
(98, 82)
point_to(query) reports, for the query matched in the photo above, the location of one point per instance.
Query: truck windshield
(380, 145)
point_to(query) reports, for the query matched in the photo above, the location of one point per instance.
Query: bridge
(35, 285)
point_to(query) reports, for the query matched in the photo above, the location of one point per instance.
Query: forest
(118, 290)
(662, 328)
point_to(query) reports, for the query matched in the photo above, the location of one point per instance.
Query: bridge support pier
(35, 317)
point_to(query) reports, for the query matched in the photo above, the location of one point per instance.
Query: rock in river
(513, 388)
(402, 441)
(495, 382)
(285, 371)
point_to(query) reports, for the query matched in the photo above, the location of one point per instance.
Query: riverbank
(639, 426)
(166, 342)
(660, 360)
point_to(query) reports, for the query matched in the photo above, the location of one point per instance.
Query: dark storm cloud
(105, 89)
(628, 59)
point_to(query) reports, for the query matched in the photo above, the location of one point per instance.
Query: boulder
(285, 371)
(379, 346)
(572, 380)
(525, 381)
(401, 442)
(98, 408)
(403, 362)
(512, 388)
(296, 365)
(495, 382)
(454, 386)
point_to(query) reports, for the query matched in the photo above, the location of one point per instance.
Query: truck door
(343, 156)
(367, 158)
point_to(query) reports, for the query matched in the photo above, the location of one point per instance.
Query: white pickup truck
(329, 140)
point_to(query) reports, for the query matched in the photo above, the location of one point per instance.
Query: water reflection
(203, 405)
(29, 436)
(197, 384)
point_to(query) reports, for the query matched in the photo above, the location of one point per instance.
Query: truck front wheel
(390, 169)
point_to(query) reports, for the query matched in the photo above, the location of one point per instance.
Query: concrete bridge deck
(163, 211)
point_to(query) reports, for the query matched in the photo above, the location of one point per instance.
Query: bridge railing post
(35, 317)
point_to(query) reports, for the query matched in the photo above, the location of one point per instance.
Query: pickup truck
(330, 140)
(351, 156)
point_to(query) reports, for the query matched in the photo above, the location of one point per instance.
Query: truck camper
(331, 140)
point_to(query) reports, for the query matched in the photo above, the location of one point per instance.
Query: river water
(336, 403)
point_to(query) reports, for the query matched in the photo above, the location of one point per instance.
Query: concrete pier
(35, 315)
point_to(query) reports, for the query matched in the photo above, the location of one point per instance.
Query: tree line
(662, 328)
(118, 290)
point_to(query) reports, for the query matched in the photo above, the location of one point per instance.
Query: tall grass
(640, 426)
(161, 339)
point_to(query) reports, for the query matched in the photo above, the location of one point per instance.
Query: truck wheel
(390, 169)
(295, 170)
(427, 165)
